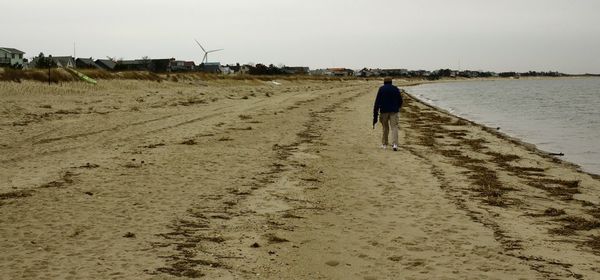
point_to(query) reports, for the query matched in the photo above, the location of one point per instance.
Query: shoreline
(493, 177)
(513, 139)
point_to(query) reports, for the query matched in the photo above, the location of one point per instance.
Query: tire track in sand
(209, 241)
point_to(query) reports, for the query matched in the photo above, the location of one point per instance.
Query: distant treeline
(447, 73)
(261, 69)
(532, 74)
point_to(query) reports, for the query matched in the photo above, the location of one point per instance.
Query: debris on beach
(189, 142)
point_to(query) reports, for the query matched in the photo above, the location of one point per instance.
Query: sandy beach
(247, 179)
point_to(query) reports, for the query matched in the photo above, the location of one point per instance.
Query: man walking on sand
(387, 106)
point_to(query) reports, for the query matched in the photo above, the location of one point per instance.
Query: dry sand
(254, 180)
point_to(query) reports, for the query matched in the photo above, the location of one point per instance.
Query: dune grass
(57, 75)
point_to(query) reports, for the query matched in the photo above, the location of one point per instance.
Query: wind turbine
(205, 59)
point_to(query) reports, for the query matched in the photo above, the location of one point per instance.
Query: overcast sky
(521, 35)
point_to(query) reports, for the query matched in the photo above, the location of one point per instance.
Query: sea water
(560, 115)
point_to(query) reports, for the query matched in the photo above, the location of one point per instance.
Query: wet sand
(254, 180)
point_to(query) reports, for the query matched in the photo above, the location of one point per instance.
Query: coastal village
(15, 58)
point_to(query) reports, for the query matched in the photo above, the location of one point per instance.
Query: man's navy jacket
(389, 100)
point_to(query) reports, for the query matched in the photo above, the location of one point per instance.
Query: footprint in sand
(414, 264)
(395, 258)
(332, 263)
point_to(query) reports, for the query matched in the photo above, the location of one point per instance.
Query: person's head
(387, 80)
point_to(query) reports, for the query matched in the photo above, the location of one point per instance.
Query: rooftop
(11, 50)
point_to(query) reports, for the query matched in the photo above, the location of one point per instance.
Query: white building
(11, 57)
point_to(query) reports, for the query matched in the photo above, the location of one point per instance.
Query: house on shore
(60, 61)
(152, 65)
(106, 64)
(11, 57)
(132, 65)
(210, 67)
(240, 69)
(394, 72)
(86, 63)
(182, 66)
(243, 70)
(64, 61)
(224, 69)
(161, 65)
(368, 72)
(339, 72)
(318, 72)
(296, 70)
(333, 72)
(189, 65)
